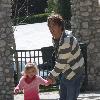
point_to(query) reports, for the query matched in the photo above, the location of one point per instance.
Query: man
(69, 60)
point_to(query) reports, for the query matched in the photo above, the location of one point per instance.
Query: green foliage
(49, 88)
(64, 8)
(31, 19)
(52, 5)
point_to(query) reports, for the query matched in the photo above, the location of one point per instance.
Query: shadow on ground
(55, 96)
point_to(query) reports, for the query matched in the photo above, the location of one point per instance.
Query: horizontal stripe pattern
(71, 75)
(77, 64)
(64, 46)
(63, 51)
(62, 61)
(66, 68)
(67, 72)
(72, 63)
(70, 59)
(63, 56)
(75, 49)
(60, 66)
(74, 56)
(54, 73)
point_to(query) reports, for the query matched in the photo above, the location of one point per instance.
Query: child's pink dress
(31, 90)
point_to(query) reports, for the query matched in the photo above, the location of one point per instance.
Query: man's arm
(64, 54)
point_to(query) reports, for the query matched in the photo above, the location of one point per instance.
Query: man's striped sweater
(69, 59)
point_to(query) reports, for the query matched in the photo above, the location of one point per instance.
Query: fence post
(83, 47)
(17, 65)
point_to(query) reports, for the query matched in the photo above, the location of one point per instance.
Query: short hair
(57, 19)
(29, 66)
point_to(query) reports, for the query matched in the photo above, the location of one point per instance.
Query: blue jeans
(70, 89)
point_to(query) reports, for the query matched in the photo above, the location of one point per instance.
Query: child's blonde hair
(29, 66)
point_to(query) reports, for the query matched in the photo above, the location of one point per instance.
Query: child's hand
(49, 81)
(16, 91)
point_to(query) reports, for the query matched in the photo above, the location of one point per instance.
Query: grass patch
(49, 88)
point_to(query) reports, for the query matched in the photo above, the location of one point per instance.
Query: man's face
(55, 30)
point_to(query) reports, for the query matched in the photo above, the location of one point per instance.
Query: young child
(30, 82)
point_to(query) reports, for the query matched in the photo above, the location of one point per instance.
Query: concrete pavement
(55, 95)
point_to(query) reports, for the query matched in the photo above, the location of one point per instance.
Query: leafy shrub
(31, 19)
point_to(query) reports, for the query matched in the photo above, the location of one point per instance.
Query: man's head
(56, 25)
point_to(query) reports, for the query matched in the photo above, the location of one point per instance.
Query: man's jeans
(70, 89)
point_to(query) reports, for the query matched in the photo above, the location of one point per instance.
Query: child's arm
(19, 86)
(44, 81)
(16, 90)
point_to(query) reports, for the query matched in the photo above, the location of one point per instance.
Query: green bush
(52, 6)
(62, 7)
(31, 19)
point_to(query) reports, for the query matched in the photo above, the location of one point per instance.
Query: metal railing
(23, 56)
